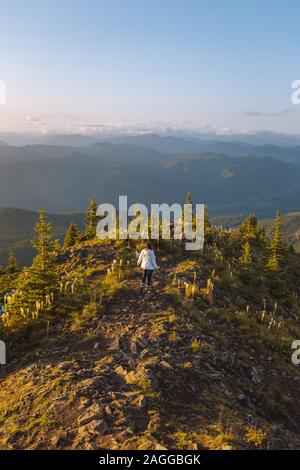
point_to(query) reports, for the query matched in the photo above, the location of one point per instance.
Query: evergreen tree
(91, 219)
(12, 264)
(188, 199)
(72, 235)
(273, 263)
(249, 227)
(38, 285)
(207, 227)
(277, 246)
(246, 257)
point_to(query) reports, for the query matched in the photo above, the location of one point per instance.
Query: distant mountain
(62, 178)
(17, 231)
(180, 145)
(141, 148)
(255, 138)
(126, 152)
(228, 185)
(166, 144)
(71, 140)
(30, 153)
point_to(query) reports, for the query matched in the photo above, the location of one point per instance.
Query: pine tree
(188, 199)
(72, 235)
(12, 264)
(38, 285)
(273, 263)
(246, 257)
(249, 227)
(91, 219)
(277, 246)
(208, 232)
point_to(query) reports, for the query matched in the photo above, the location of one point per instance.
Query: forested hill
(17, 228)
(202, 360)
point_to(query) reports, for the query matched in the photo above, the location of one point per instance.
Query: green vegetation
(12, 264)
(91, 219)
(276, 246)
(17, 231)
(72, 235)
(200, 353)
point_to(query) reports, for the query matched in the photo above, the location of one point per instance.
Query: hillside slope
(118, 369)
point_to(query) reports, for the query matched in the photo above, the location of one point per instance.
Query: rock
(149, 375)
(115, 345)
(108, 410)
(121, 371)
(142, 401)
(160, 447)
(93, 382)
(92, 413)
(85, 403)
(133, 347)
(142, 343)
(154, 423)
(256, 376)
(165, 365)
(144, 353)
(60, 439)
(98, 426)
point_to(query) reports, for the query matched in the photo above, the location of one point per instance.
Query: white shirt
(147, 259)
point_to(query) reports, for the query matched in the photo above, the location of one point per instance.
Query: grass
(20, 396)
(185, 267)
(255, 436)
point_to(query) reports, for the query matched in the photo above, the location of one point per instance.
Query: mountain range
(231, 177)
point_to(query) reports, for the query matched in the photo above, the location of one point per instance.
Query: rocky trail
(103, 401)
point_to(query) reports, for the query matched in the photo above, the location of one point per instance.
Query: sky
(140, 65)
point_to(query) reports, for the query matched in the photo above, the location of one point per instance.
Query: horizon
(209, 68)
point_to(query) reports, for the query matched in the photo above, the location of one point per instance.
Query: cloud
(135, 128)
(267, 114)
(112, 127)
(36, 123)
(71, 124)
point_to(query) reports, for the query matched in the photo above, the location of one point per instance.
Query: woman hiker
(148, 263)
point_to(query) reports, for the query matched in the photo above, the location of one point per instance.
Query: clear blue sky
(71, 64)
